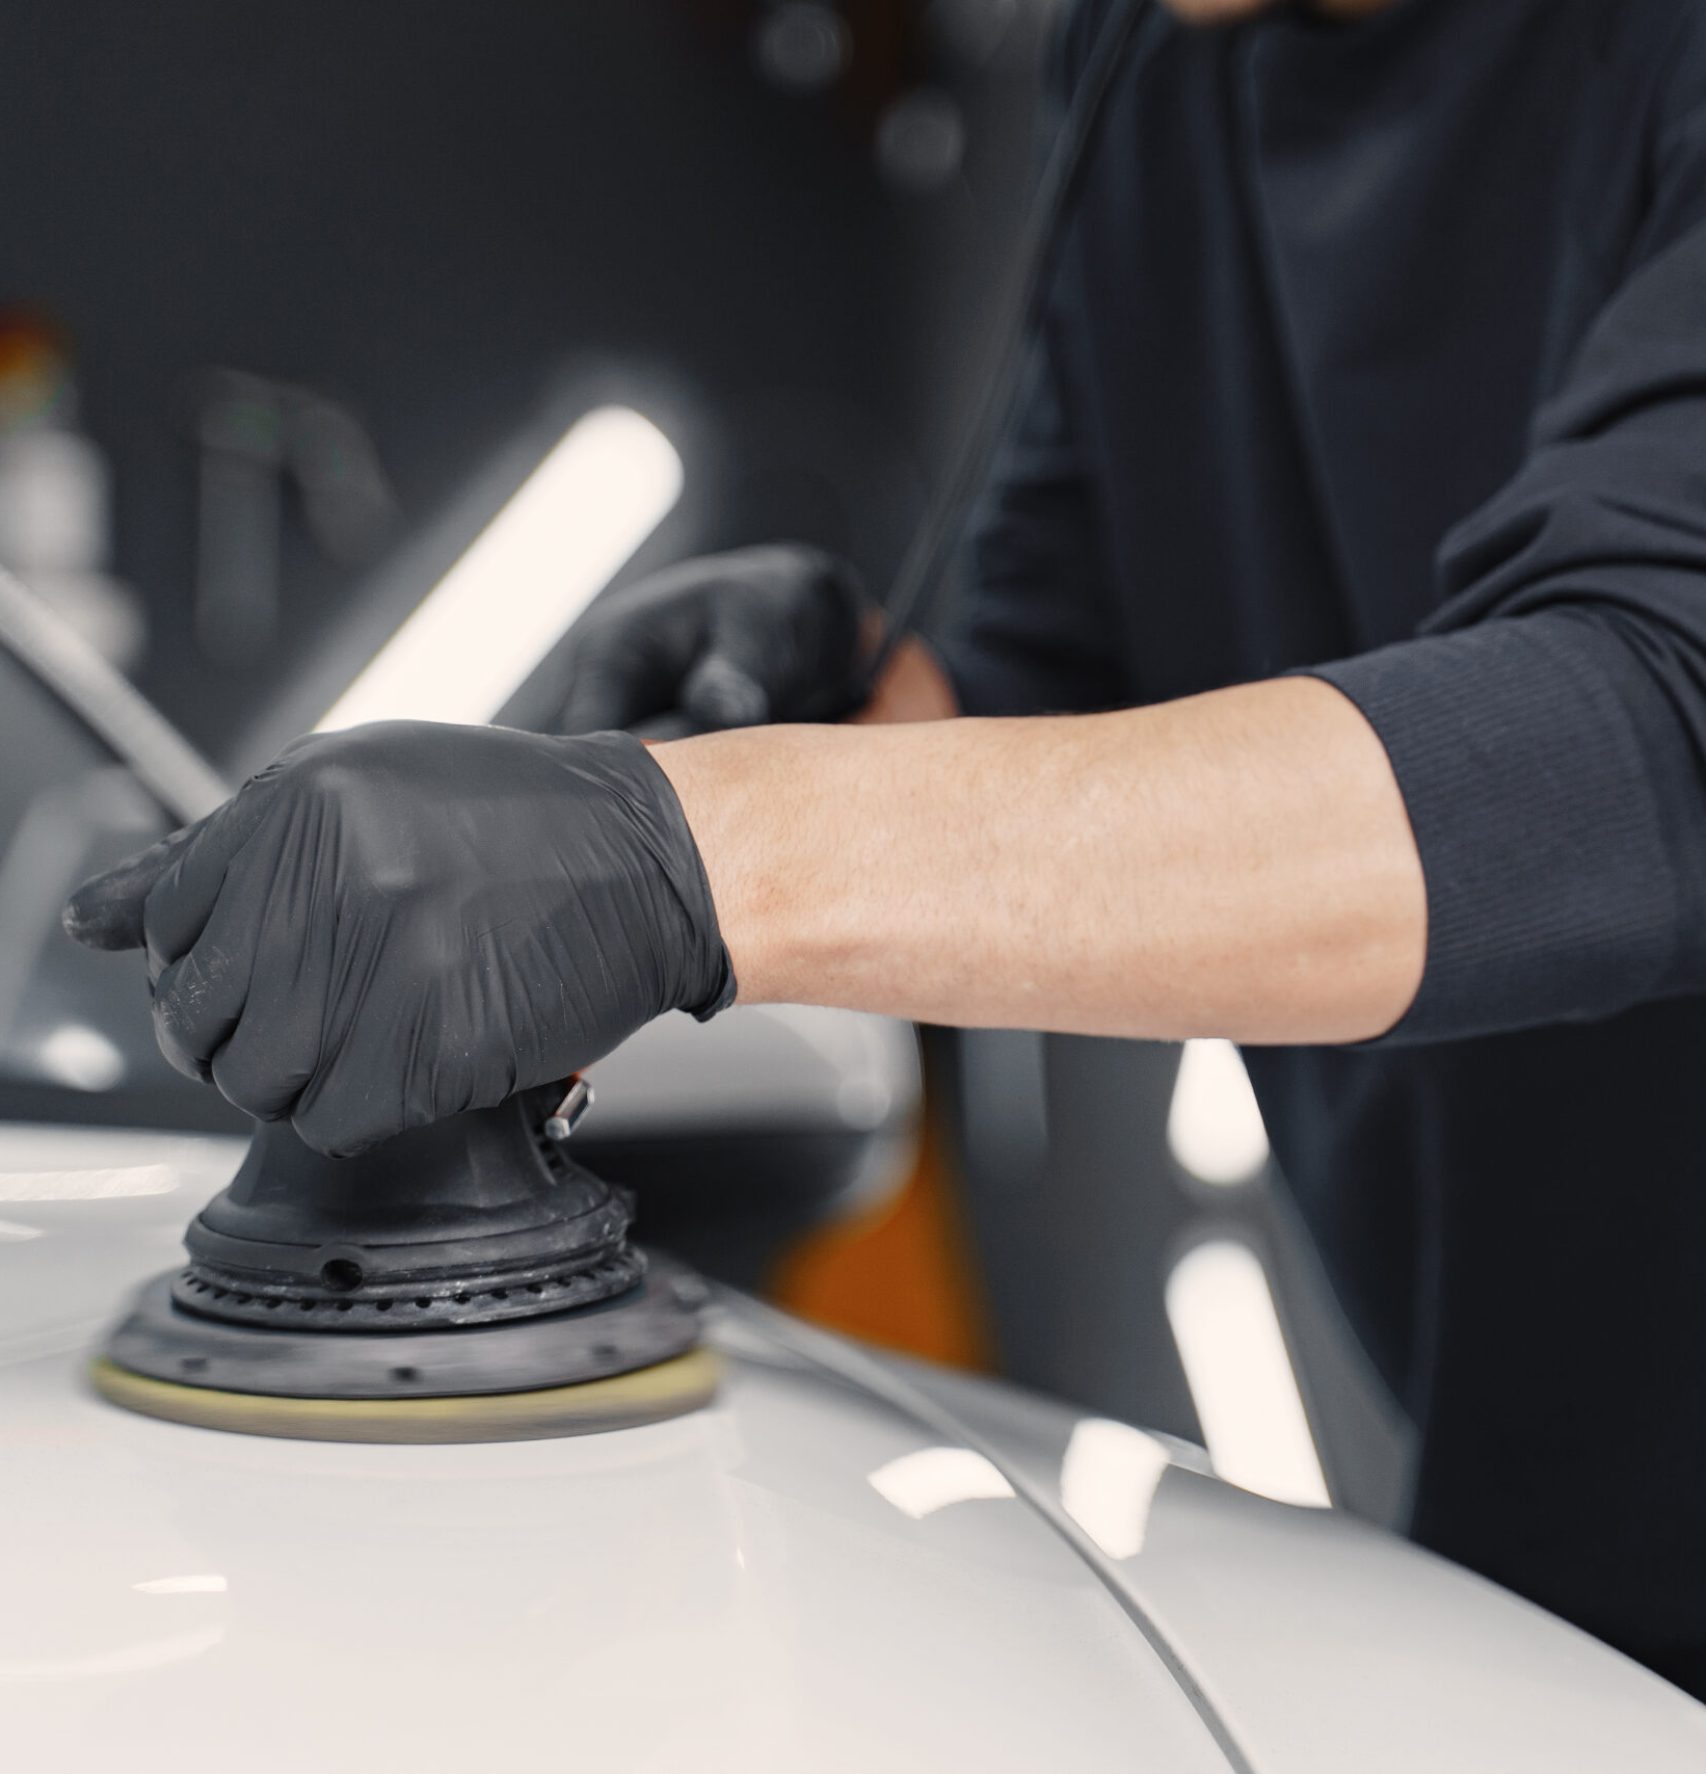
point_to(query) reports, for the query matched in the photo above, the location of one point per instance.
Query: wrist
(748, 798)
(715, 798)
(697, 968)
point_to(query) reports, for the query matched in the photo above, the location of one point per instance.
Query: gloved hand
(402, 921)
(777, 633)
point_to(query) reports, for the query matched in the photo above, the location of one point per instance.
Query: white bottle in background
(55, 494)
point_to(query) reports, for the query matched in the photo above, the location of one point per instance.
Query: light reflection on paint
(1108, 1481)
(197, 1583)
(87, 1185)
(1214, 1127)
(918, 1484)
(1242, 1384)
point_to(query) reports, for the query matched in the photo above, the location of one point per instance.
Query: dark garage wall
(425, 208)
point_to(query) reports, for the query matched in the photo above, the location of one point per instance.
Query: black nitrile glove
(777, 633)
(406, 920)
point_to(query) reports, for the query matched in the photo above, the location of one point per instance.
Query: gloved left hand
(403, 921)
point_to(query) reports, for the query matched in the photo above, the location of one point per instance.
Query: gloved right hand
(775, 633)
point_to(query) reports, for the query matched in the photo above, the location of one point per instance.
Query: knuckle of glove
(340, 1124)
(332, 770)
(341, 1116)
(175, 1033)
(252, 1075)
(244, 1088)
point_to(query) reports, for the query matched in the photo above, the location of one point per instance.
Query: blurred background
(346, 352)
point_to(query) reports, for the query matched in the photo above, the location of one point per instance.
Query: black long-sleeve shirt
(1379, 351)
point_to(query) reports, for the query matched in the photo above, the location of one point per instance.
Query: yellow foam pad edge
(648, 1395)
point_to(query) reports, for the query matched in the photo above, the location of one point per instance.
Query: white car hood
(842, 1565)
(729, 1590)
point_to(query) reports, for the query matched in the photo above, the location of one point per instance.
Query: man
(1361, 471)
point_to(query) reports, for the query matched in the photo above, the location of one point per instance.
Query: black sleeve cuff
(1551, 891)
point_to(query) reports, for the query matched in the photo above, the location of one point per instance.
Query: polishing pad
(670, 1389)
(626, 1361)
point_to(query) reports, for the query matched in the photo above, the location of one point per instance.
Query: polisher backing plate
(628, 1360)
(649, 1395)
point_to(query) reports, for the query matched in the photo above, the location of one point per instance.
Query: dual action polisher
(466, 1281)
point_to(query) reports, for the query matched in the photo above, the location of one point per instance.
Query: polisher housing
(469, 1260)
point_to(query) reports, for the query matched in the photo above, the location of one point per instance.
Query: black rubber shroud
(658, 1319)
(476, 1219)
(462, 1259)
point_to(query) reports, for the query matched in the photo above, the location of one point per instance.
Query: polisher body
(465, 1281)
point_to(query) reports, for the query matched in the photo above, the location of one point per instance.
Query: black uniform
(1379, 350)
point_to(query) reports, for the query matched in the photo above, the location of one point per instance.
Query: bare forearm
(1236, 864)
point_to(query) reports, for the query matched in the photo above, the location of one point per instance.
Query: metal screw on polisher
(566, 1117)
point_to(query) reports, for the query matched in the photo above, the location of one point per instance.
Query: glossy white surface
(728, 1591)
(1327, 1647)
(845, 1565)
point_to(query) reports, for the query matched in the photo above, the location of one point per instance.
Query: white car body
(845, 1564)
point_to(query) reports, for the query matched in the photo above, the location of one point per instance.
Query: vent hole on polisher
(405, 1373)
(341, 1275)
